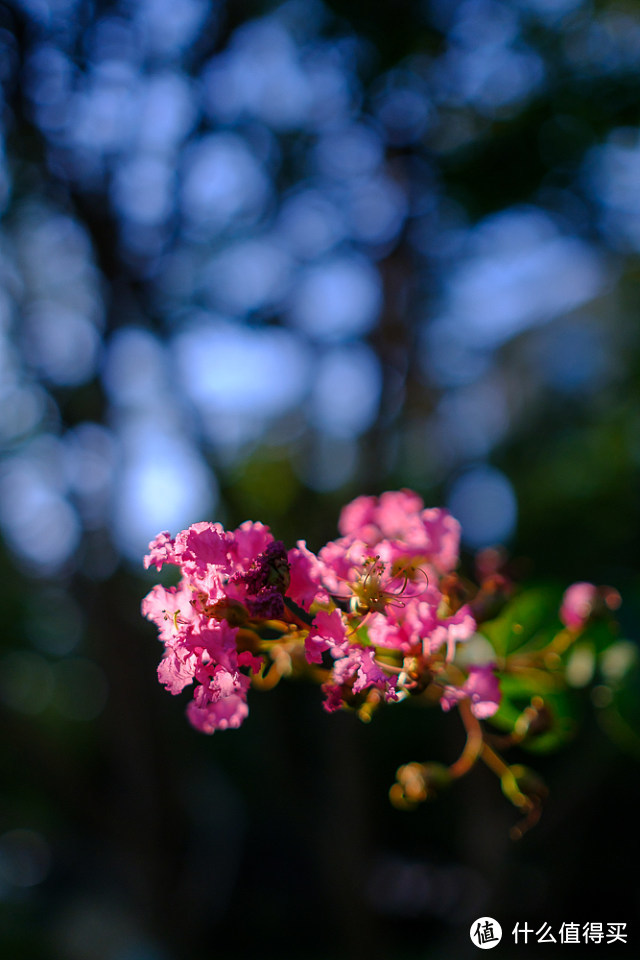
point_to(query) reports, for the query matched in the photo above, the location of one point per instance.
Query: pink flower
(247, 659)
(177, 669)
(248, 542)
(370, 578)
(228, 577)
(195, 652)
(416, 624)
(341, 562)
(399, 516)
(357, 515)
(219, 715)
(328, 632)
(169, 608)
(442, 532)
(405, 627)
(203, 545)
(161, 551)
(483, 690)
(578, 604)
(457, 628)
(360, 664)
(305, 585)
(216, 640)
(388, 517)
(391, 629)
(354, 673)
(481, 687)
(332, 697)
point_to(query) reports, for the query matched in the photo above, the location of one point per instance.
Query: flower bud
(417, 782)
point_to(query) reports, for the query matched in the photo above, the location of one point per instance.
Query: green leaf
(563, 706)
(529, 622)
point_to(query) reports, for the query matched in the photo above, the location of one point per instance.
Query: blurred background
(257, 259)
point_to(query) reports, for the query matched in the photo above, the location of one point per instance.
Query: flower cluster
(230, 580)
(374, 614)
(378, 615)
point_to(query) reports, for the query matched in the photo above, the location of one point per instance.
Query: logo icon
(485, 933)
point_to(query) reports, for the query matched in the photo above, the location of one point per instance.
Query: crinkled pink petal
(421, 616)
(340, 561)
(222, 715)
(577, 605)
(460, 626)
(218, 683)
(249, 541)
(225, 684)
(483, 690)
(400, 628)
(170, 609)
(369, 673)
(443, 538)
(314, 647)
(209, 585)
(397, 553)
(161, 550)
(372, 519)
(218, 638)
(328, 632)
(330, 625)
(359, 662)
(399, 515)
(481, 687)
(176, 672)
(397, 512)
(455, 629)
(204, 545)
(305, 585)
(356, 515)
(247, 659)
(385, 631)
(333, 697)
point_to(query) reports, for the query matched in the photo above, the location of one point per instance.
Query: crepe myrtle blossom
(577, 605)
(378, 615)
(582, 601)
(354, 612)
(481, 688)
